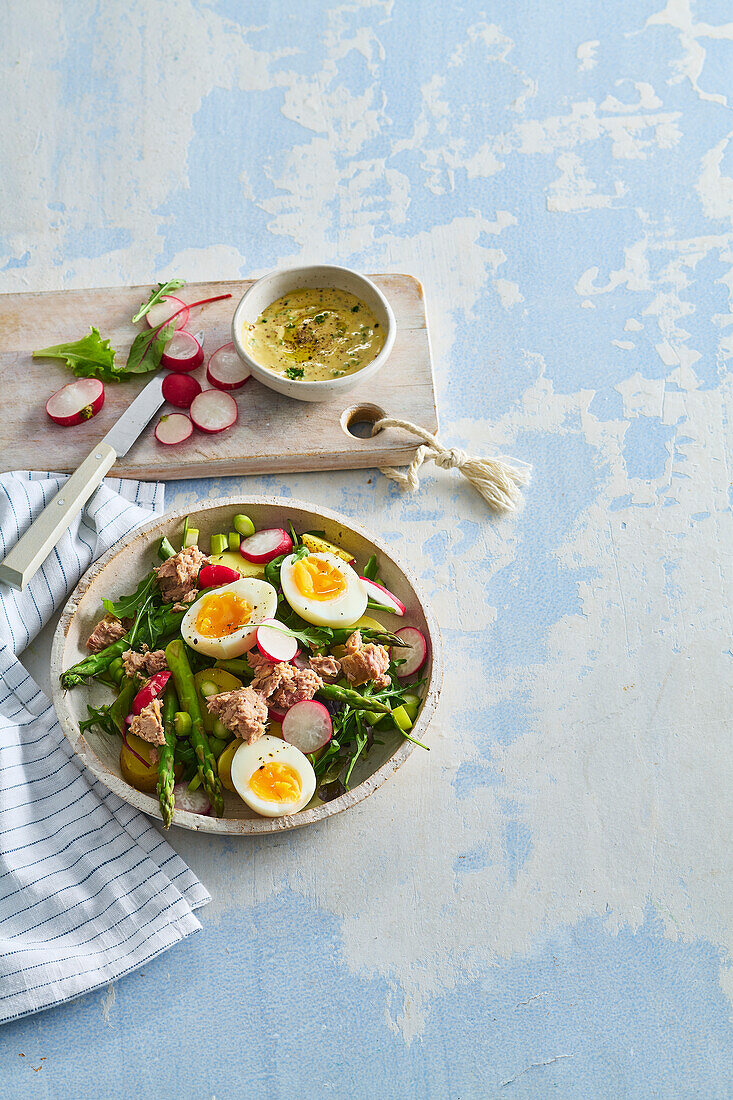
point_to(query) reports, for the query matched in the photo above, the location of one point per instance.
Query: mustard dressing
(313, 334)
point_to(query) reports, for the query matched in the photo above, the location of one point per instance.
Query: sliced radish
(164, 309)
(413, 652)
(383, 596)
(173, 428)
(193, 802)
(213, 575)
(276, 715)
(226, 370)
(308, 726)
(301, 660)
(214, 411)
(266, 545)
(76, 402)
(182, 352)
(180, 389)
(149, 691)
(274, 643)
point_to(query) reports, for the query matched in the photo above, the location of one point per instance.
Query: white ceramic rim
(243, 826)
(324, 388)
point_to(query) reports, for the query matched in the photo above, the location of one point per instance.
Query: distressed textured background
(541, 906)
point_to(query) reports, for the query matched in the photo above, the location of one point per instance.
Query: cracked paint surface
(543, 904)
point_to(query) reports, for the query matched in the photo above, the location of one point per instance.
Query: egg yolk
(318, 580)
(222, 614)
(276, 782)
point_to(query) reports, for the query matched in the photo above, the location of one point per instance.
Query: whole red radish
(210, 576)
(180, 389)
(76, 402)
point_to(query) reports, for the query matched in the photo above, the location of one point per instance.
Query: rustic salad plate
(120, 570)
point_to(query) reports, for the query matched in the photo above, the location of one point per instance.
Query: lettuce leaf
(90, 357)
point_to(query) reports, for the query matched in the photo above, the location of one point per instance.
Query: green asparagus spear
(177, 660)
(238, 666)
(166, 778)
(169, 621)
(353, 698)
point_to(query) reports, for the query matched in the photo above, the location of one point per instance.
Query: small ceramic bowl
(271, 287)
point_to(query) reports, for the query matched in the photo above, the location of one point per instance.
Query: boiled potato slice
(236, 561)
(224, 681)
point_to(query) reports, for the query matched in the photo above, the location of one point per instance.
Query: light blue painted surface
(543, 906)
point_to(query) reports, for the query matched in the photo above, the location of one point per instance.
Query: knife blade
(29, 553)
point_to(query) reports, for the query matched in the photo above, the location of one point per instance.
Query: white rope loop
(497, 479)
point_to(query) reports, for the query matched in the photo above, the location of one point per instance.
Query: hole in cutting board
(359, 420)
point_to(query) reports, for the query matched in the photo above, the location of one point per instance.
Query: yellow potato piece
(224, 765)
(133, 770)
(317, 545)
(235, 561)
(224, 680)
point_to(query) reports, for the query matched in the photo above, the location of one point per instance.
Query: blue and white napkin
(89, 890)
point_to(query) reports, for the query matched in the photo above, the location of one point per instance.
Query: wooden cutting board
(273, 433)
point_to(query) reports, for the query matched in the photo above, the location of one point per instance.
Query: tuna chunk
(258, 663)
(185, 603)
(178, 575)
(243, 712)
(283, 685)
(328, 668)
(108, 630)
(148, 724)
(365, 662)
(144, 664)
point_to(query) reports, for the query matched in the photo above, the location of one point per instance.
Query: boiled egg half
(323, 589)
(273, 777)
(222, 623)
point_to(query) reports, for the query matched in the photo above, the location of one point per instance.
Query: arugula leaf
(155, 297)
(370, 569)
(128, 605)
(147, 348)
(90, 357)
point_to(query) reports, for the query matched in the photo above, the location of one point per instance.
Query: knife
(33, 548)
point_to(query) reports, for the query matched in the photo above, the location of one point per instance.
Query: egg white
(261, 597)
(343, 610)
(248, 758)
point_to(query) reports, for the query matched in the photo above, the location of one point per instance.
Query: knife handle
(29, 553)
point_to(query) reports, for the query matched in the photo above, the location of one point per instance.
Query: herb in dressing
(313, 334)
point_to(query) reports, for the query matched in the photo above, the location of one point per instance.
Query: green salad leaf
(147, 349)
(128, 606)
(90, 357)
(155, 297)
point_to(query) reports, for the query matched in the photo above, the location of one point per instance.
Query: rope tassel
(497, 479)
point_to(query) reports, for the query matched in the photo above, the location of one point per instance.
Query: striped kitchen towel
(89, 890)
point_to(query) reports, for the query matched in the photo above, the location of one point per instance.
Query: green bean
(177, 662)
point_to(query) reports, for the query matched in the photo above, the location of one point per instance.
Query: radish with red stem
(76, 402)
(173, 428)
(213, 411)
(183, 352)
(161, 312)
(146, 351)
(180, 389)
(226, 370)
